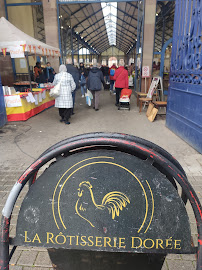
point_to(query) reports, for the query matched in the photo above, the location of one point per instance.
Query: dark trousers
(65, 113)
(111, 85)
(73, 97)
(96, 95)
(118, 93)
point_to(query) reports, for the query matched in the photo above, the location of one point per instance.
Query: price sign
(145, 72)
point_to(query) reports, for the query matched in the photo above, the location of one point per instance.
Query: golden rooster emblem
(113, 201)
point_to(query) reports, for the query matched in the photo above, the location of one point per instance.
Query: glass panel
(110, 16)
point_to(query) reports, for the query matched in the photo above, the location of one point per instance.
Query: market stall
(22, 105)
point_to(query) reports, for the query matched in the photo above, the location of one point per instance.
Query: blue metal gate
(184, 111)
(3, 117)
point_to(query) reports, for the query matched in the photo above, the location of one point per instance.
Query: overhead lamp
(61, 27)
(157, 14)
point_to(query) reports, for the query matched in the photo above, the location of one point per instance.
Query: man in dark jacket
(75, 74)
(94, 83)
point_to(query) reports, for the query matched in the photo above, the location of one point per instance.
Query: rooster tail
(115, 201)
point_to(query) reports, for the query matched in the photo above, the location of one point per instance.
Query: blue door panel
(183, 129)
(187, 104)
(184, 110)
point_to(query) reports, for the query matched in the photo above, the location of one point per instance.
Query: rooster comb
(85, 183)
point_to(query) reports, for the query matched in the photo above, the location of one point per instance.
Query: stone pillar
(149, 36)
(51, 29)
(6, 70)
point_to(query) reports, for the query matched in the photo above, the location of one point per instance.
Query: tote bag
(55, 91)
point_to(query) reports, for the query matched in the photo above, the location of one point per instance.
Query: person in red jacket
(121, 80)
(111, 76)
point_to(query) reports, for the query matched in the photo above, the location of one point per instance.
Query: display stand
(153, 90)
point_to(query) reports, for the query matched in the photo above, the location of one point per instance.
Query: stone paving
(21, 142)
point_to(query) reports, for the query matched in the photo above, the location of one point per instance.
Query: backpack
(112, 72)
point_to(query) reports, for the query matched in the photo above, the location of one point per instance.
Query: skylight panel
(110, 17)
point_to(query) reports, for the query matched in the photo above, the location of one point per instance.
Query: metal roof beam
(119, 39)
(93, 14)
(135, 6)
(105, 48)
(125, 13)
(124, 21)
(115, 29)
(98, 43)
(90, 26)
(84, 43)
(123, 48)
(72, 14)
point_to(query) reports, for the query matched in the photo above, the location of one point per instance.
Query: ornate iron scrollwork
(186, 61)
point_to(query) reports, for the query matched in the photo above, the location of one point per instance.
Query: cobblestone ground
(14, 161)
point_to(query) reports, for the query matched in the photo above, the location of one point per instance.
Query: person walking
(83, 77)
(94, 83)
(65, 101)
(111, 76)
(75, 74)
(121, 80)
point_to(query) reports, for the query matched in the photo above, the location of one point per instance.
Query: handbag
(55, 91)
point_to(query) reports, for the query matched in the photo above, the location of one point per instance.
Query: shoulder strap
(120, 74)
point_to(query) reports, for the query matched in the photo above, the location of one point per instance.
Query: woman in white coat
(64, 102)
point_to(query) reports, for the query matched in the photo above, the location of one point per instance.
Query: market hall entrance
(106, 32)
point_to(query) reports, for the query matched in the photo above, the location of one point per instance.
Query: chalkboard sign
(104, 201)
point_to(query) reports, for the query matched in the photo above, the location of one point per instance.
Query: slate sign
(104, 201)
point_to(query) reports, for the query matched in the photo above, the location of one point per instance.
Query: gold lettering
(133, 238)
(49, 238)
(107, 241)
(115, 241)
(70, 239)
(91, 241)
(144, 243)
(77, 240)
(83, 243)
(177, 244)
(98, 241)
(60, 236)
(26, 240)
(36, 238)
(159, 244)
(122, 242)
(169, 243)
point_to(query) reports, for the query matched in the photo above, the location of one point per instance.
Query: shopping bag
(89, 97)
(88, 101)
(89, 94)
(55, 91)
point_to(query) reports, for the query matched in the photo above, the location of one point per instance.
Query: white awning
(12, 38)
